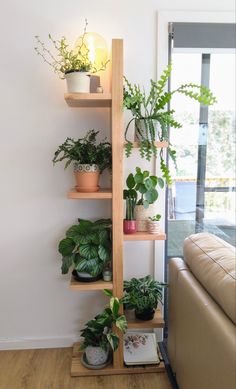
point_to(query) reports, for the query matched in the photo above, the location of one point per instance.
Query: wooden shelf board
(97, 285)
(88, 100)
(145, 236)
(102, 194)
(77, 369)
(157, 144)
(156, 322)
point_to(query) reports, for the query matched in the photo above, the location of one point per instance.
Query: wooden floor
(50, 369)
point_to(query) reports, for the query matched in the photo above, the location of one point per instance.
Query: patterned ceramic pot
(142, 214)
(96, 355)
(78, 82)
(87, 177)
(153, 227)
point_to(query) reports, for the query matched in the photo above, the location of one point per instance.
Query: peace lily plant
(152, 116)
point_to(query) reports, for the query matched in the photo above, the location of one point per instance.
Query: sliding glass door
(202, 197)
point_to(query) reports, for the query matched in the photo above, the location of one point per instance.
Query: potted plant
(99, 336)
(143, 295)
(143, 185)
(72, 64)
(153, 225)
(129, 223)
(153, 118)
(90, 159)
(87, 248)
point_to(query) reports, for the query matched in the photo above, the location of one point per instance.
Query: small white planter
(142, 214)
(96, 355)
(78, 82)
(153, 227)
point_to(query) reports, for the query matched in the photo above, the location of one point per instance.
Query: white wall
(36, 306)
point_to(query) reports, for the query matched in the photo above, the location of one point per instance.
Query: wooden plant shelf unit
(97, 285)
(114, 101)
(77, 369)
(88, 100)
(102, 194)
(145, 236)
(133, 322)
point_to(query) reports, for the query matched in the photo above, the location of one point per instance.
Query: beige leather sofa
(202, 314)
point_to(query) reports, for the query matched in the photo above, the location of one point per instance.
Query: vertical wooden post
(117, 179)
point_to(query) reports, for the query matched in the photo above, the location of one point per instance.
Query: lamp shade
(95, 47)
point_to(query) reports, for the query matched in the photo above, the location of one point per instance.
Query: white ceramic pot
(142, 214)
(96, 355)
(78, 82)
(143, 128)
(153, 227)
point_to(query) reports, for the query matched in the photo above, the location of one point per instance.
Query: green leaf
(142, 188)
(151, 196)
(148, 183)
(145, 174)
(115, 305)
(66, 246)
(103, 236)
(73, 231)
(121, 323)
(104, 253)
(145, 204)
(138, 178)
(130, 182)
(88, 251)
(107, 292)
(113, 339)
(161, 182)
(66, 263)
(154, 180)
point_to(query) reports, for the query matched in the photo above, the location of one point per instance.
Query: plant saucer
(93, 367)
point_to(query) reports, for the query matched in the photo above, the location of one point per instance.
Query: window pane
(218, 209)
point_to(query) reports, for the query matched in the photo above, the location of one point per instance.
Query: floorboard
(50, 369)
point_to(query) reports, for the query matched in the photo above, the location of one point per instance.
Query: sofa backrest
(213, 263)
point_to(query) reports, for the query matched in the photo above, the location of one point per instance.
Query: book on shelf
(140, 348)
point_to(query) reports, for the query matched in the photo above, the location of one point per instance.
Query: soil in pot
(129, 226)
(145, 315)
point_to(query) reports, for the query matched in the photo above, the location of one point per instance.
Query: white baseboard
(35, 343)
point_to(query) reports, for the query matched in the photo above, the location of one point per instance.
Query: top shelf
(88, 100)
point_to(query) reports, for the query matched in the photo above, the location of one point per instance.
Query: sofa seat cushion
(213, 263)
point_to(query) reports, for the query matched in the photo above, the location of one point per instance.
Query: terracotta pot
(142, 214)
(153, 227)
(129, 226)
(87, 177)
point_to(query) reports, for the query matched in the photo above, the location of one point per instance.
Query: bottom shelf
(78, 370)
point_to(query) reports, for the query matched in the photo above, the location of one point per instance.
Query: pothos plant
(98, 332)
(141, 187)
(86, 247)
(64, 59)
(153, 107)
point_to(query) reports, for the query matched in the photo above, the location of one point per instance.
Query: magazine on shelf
(140, 348)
